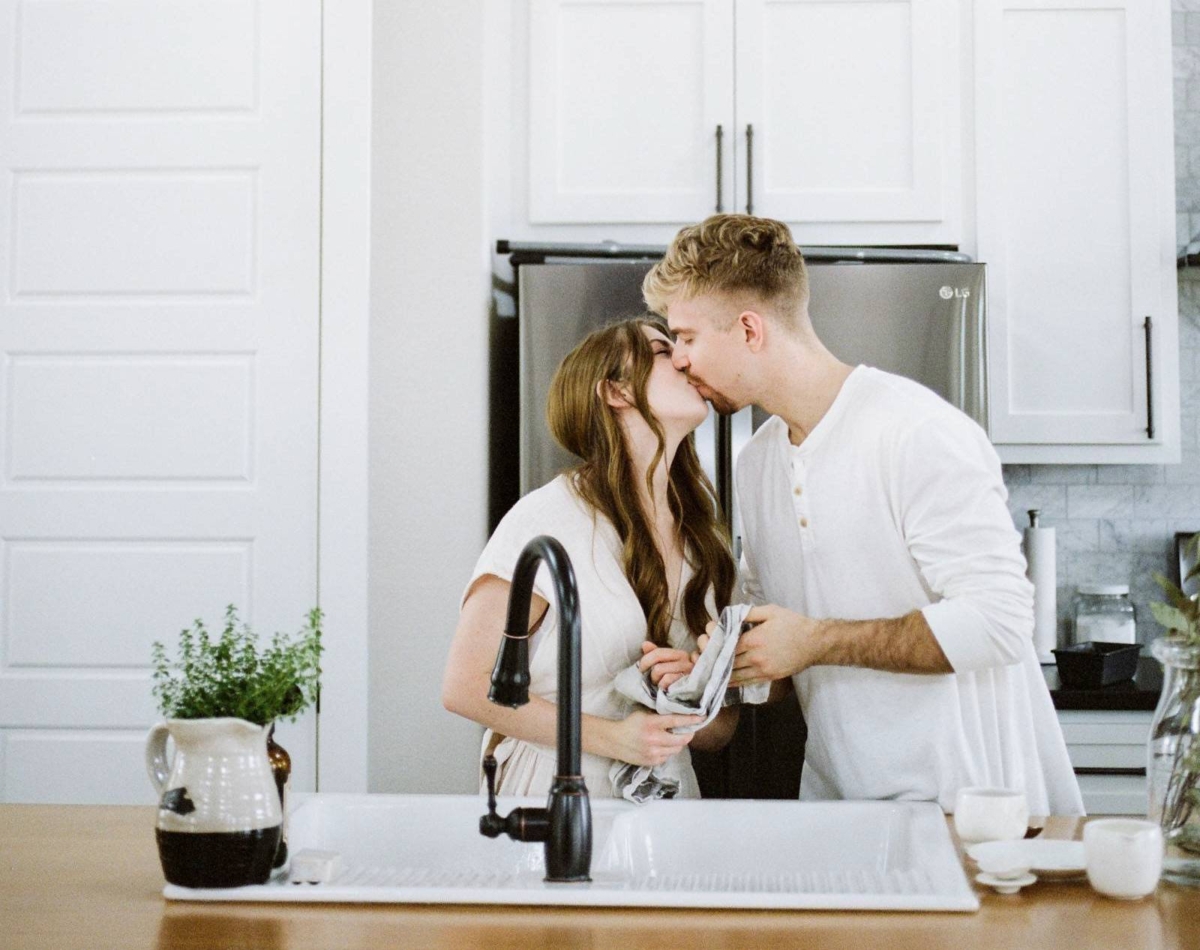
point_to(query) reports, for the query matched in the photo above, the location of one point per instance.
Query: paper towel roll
(1039, 556)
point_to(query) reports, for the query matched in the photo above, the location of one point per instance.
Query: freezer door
(923, 321)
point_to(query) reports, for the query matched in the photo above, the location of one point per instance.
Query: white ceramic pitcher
(219, 814)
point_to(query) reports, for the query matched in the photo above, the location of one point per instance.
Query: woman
(651, 561)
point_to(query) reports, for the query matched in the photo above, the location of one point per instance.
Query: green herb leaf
(1170, 617)
(231, 676)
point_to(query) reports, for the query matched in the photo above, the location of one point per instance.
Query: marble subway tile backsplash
(1116, 524)
(1107, 537)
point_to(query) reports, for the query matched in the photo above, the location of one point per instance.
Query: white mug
(1124, 856)
(990, 814)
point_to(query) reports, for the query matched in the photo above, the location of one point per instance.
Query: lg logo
(947, 292)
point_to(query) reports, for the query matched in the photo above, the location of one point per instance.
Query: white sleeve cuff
(960, 632)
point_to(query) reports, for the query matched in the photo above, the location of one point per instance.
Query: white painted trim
(345, 359)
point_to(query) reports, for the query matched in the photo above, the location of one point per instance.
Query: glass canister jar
(1105, 614)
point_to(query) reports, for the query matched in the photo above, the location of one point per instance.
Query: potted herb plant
(220, 817)
(1173, 763)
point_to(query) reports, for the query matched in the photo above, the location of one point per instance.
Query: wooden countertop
(88, 877)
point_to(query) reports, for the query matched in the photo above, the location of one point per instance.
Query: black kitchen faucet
(565, 824)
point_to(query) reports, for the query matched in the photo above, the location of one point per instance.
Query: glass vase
(1173, 762)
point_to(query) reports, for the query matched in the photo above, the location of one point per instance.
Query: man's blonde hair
(731, 254)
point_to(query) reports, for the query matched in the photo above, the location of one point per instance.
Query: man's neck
(803, 387)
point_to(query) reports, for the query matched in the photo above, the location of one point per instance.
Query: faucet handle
(489, 771)
(491, 825)
(520, 824)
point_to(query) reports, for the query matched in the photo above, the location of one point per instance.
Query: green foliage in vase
(230, 676)
(1181, 615)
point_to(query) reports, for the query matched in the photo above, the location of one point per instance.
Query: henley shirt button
(803, 522)
(798, 490)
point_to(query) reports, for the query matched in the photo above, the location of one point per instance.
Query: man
(875, 535)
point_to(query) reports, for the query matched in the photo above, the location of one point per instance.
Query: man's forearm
(899, 645)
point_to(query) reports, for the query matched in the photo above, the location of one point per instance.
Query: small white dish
(1006, 885)
(1004, 865)
(1048, 858)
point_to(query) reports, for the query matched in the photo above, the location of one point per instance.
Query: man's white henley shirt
(895, 502)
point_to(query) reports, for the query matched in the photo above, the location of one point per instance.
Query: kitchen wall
(1116, 523)
(429, 367)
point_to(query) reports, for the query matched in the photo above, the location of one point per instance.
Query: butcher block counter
(88, 877)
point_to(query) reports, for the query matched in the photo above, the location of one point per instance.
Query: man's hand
(783, 643)
(780, 644)
(664, 664)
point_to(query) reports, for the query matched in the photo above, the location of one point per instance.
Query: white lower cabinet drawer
(1108, 752)
(1113, 794)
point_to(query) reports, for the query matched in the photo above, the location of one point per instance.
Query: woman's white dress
(612, 624)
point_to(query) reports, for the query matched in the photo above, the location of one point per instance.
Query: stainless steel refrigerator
(920, 314)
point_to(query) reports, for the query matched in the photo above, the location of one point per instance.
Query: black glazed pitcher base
(217, 859)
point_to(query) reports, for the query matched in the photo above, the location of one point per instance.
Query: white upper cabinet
(1075, 204)
(1037, 135)
(847, 113)
(641, 113)
(624, 105)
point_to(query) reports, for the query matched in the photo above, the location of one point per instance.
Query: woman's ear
(614, 394)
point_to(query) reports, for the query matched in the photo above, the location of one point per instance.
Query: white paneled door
(159, 233)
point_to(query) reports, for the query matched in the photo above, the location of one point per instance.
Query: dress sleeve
(527, 519)
(953, 509)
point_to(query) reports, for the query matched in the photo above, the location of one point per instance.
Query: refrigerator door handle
(724, 469)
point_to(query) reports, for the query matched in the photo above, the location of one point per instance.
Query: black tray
(1096, 663)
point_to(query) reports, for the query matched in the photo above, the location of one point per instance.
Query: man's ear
(614, 394)
(752, 328)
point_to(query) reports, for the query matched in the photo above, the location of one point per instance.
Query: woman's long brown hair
(585, 425)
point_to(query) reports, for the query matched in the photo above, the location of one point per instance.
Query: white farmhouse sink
(717, 853)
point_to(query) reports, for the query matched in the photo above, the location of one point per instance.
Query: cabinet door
(1076, 223)
(853, 107)
(624, 101)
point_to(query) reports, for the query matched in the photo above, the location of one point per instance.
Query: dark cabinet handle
(1149, 327)
(720, 187)
(749, 169)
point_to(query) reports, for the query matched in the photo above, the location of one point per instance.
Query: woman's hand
(665, 664)
(645, 738)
